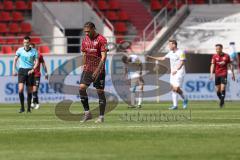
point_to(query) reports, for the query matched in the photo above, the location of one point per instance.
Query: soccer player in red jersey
(219, 64)
(94, 56)
(37, 77)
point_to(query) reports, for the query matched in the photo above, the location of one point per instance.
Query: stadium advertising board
(196, 86)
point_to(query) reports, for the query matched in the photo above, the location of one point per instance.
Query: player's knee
(20, 91)
(82, 87)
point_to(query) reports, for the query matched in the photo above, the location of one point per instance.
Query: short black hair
(124, 59)
(219, 45)
(27, 38)
(173, 41)
(90, 25)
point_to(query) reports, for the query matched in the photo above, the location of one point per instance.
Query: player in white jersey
(234, 56)
(177, 62)
(135, 75)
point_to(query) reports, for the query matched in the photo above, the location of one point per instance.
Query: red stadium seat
(114, 5)
(3, 28)
(102, 5)
(200, 1)
(15, 48)
(170, 5)
(120, 27)
(21, 6)
(123, 16)
(44, 49)
(112, 15)
(179, 4)
(1, 6)
(7, 50)
(36, 40)
(236, 1)
(190, 1)
(155, 5)
(69, 0)
(14, 28)
(26, 28)
(119, 38)
(12, 41)
(8, 5)
(17, 17)
(2, 40)
(29, 5)
(5, 17)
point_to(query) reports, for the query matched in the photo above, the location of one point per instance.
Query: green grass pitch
(205, 133)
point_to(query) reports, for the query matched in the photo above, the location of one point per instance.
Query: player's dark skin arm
(100, 65)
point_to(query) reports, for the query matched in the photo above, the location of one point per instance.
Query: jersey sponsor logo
(221, 63)
(87, 43)
(91, 50)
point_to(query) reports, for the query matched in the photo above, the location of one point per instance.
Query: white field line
(82, 127)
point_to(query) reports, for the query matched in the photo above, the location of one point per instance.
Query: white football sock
(140, 98)
(175, 98)
(132, 98)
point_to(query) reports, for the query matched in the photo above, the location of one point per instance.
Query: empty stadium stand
(129, 17)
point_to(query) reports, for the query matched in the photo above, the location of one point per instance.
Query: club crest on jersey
(95, 43)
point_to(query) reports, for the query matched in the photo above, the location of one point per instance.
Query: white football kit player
(175, 59)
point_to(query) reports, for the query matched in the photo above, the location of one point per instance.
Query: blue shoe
(185, 103)
(173, 108)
